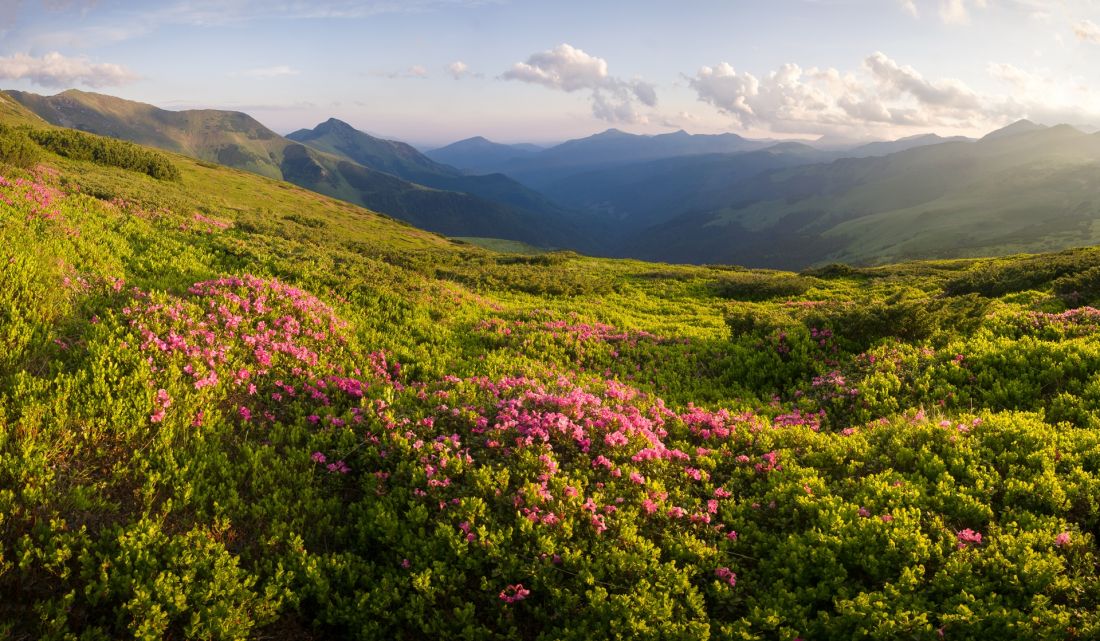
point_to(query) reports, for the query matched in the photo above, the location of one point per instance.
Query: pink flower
(968, 536)
(864, 512)
(886, 518)
(637, 478)
(514, 593)
(725, 574)
(318, 457)
(246, 414)
(1062, 539)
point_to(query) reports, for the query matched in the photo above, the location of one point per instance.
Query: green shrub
(17, 149)
(756, 286)
(106, 151)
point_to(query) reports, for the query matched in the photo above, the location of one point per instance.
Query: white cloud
(910, 8)
(1087, 30)
(569, 69)
(270, 72)
(417, 71)
(458, 69)
(888, 98)
(896, 81)
(1045, 97)
(56, 70)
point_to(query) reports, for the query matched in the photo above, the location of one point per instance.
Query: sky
(434, 71)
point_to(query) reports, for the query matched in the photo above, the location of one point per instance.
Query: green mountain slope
(480, 155)
(232, 408)
(237, 140)
(640, 195)
(402, 160)
(1022, 189)
(614, 148)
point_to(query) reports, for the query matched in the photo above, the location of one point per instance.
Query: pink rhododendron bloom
(318, 457)
(1062, 539)
(967, 537)
(725, 574)
(514, 593)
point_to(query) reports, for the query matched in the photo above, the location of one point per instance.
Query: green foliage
(105, 151)
(755, 286)
(17, 148)
(997, 278)
(232, 409)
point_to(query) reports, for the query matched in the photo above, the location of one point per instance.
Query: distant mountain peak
(1022, 126)
(333, 125)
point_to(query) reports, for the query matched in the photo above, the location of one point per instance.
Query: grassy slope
(121, 521)
(545, 222)
(237, 140)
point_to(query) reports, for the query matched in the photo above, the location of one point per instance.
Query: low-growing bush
(17, 148)
(106, 151)
(756, 286)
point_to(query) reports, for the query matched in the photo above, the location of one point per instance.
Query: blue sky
(434, 71)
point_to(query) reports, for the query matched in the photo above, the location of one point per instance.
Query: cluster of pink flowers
(39, 199)
(280, 341)
(514, 593)
(725, 574)
(161, 403)
(968, 537)
(210, 223)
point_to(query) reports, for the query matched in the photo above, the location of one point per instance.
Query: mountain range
(674, 197)
(238, 140)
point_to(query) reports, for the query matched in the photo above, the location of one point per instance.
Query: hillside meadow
(235, 409)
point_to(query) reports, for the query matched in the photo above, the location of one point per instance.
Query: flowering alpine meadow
(234, 410)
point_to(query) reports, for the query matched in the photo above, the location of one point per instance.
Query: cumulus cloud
(566, 68)
(458, 69)
(1045, 97)
(1087, 30)
(270, 72)
(910, 7)
(56, 70)
(886, 97)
